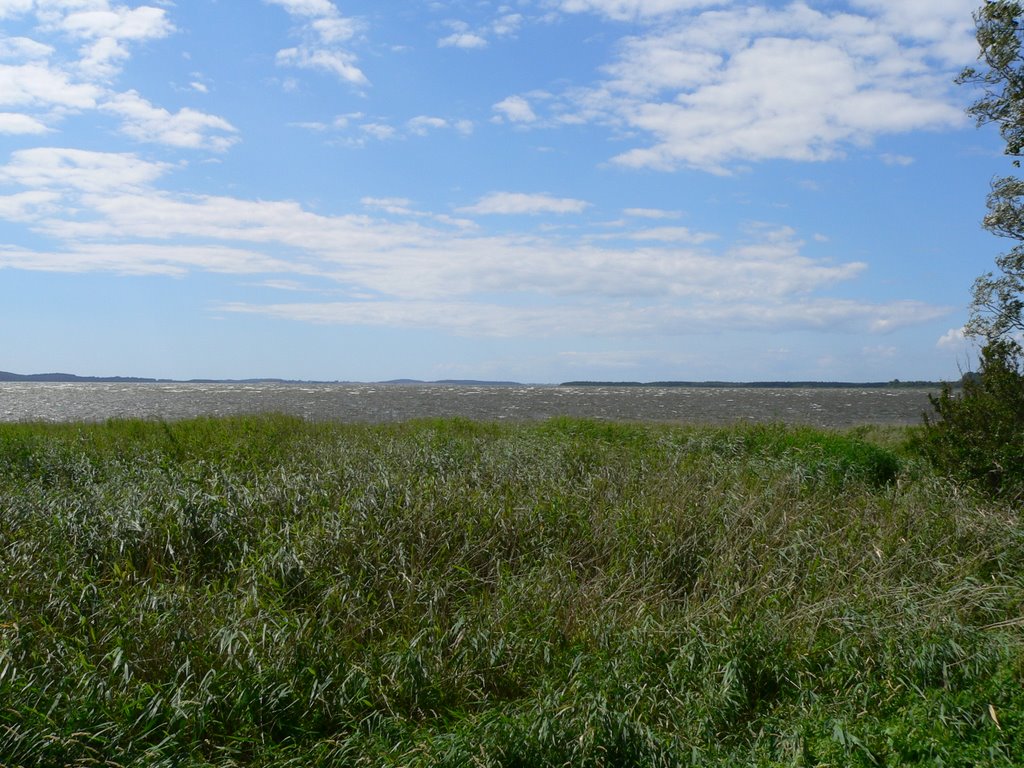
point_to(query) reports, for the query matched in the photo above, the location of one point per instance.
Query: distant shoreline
(70, 378)
(894, 384)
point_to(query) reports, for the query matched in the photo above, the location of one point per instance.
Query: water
(374, 403)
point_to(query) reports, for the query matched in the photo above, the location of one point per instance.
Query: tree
(997, 306)
(978, 436)
(979, 433)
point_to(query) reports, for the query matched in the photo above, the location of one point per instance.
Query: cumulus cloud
(185, 128)
(507, 24)
(23, 48)
(515, 109)
(78, 169)
(462, 40)
(423, 124)
(323, 29)
(625, 10)
(105, 31)
(464, 36)
(954, 338)
(14, 123)
(117, 23)
(9, 8)
(652, 213)
(711, 88)
(41, 86)
(339, 63)
(311, 8)
(519, 203)
(671, 235)
(47, 84)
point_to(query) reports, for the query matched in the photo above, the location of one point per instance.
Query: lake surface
(374, 403)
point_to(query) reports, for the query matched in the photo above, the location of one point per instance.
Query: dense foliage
(998, 301)
(977, 432)
(266, 591)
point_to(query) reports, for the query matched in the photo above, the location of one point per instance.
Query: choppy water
(34, 401)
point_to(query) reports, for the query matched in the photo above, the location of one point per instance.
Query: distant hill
(72, 378)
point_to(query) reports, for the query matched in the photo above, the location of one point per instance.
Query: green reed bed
(266, 591)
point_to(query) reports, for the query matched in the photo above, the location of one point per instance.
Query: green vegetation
(997, 310)
(267, 591)
(978, 434)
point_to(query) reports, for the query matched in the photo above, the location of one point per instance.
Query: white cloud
(103, 58)
(142, 259)
(310, 8)
(625, 10)
(954, 338)
(462, 40)
(187, 128)
(515, 109)
(37, 85)
(340, 63)
(652, 213)
(118, 23)
(94, 172)
(423, 124)
(312, 125)
(671, 235)
(945, 26)
(105, 30)
(335, 30)
(26, 206)
(711, 89)
(614, 319)
(518, 203)
(399, 205)
(788, 99)
(416, 271)
(507, 24)
(15, 123)
(463, 36)
(379, 131)
(9, 8)
(323, 28)
(23, 48)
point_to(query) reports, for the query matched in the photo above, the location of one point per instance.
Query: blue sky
(538, 190)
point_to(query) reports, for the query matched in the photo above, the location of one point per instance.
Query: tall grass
(267, 591)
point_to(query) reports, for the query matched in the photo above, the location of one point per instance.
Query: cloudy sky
(538, 190)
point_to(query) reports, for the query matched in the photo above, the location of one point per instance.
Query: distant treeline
(895, 383)
(70, 377)
(73, 378)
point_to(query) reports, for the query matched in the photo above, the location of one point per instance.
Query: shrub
(977, 434)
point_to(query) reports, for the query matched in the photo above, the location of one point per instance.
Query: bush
(977, 435)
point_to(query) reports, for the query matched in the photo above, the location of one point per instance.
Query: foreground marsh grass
(266, 591)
